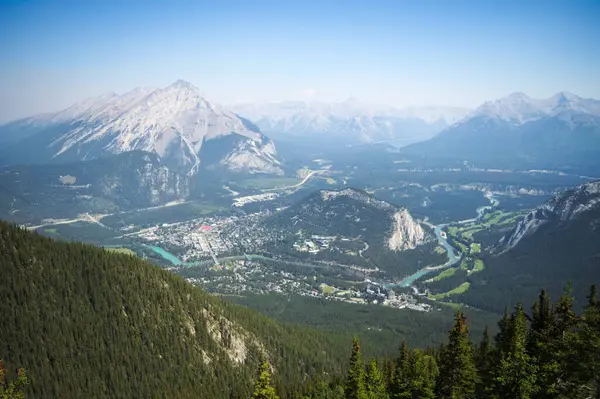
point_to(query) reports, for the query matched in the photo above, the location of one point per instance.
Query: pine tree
(562, 356)
(422, 375)
(584, 365)
(375, 383)
(263, 388)
(401, 384)
(540, 347)
(13, 390)
(484, 360)
(458, 375)
(516, 373)
(355, 382)
(501, 338)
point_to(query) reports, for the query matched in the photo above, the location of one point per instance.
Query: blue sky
(401, 52)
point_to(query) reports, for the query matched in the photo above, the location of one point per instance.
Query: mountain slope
(121, 182)
(351, 213)
(87, 323)
(174, 122)
(555, 243)
(516, 131)
(350, 120)
(353, 228)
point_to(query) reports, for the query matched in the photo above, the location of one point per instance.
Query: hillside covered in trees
(83, 322)
(548, 353)
(86, 323)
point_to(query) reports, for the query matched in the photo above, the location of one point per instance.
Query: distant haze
(400, 53)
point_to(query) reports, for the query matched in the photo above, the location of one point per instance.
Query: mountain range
(556, 243)
(177, 123)
(519, 131)
(350, 121)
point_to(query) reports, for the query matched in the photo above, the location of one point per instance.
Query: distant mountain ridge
(562, 209)
(555, 244)
(562, 131)
(350, 120)
(175, 123)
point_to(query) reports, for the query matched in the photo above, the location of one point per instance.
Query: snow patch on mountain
(350, 119)
(518, 108)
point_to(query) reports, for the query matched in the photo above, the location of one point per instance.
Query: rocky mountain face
(350, 120)
(562, 131)
(121, 182)
(556, 243)
(353, 213)
(560, 211)
(175, 123)
(406, 234)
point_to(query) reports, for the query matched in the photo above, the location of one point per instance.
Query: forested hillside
(549, 352)
(86, 323)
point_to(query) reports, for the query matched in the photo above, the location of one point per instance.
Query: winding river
(453, 257)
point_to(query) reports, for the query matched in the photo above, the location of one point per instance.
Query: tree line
(550, 352)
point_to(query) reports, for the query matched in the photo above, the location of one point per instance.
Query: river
(453, 257)
(165, 254)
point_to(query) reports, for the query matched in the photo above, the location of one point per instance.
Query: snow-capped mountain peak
(518, 108)
(351, 120)
(174, 122)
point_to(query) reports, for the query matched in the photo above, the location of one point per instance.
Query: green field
(445, 274)
(327, 289)
(468, 234)
(479, 266)
(489, 220)
(475, 248)
(461, 247)
(456, 291)
(261, 183)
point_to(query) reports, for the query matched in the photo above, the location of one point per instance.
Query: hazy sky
(400, 52)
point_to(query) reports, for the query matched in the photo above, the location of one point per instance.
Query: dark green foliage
(585, 362)
(547, 259)
(419, 377)
(87, 323)
(516, 374)
(484, 358)
(375, 382)
(570, 369)
(355, 382)
(380, 328)
(401, 383)
(458, 374)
